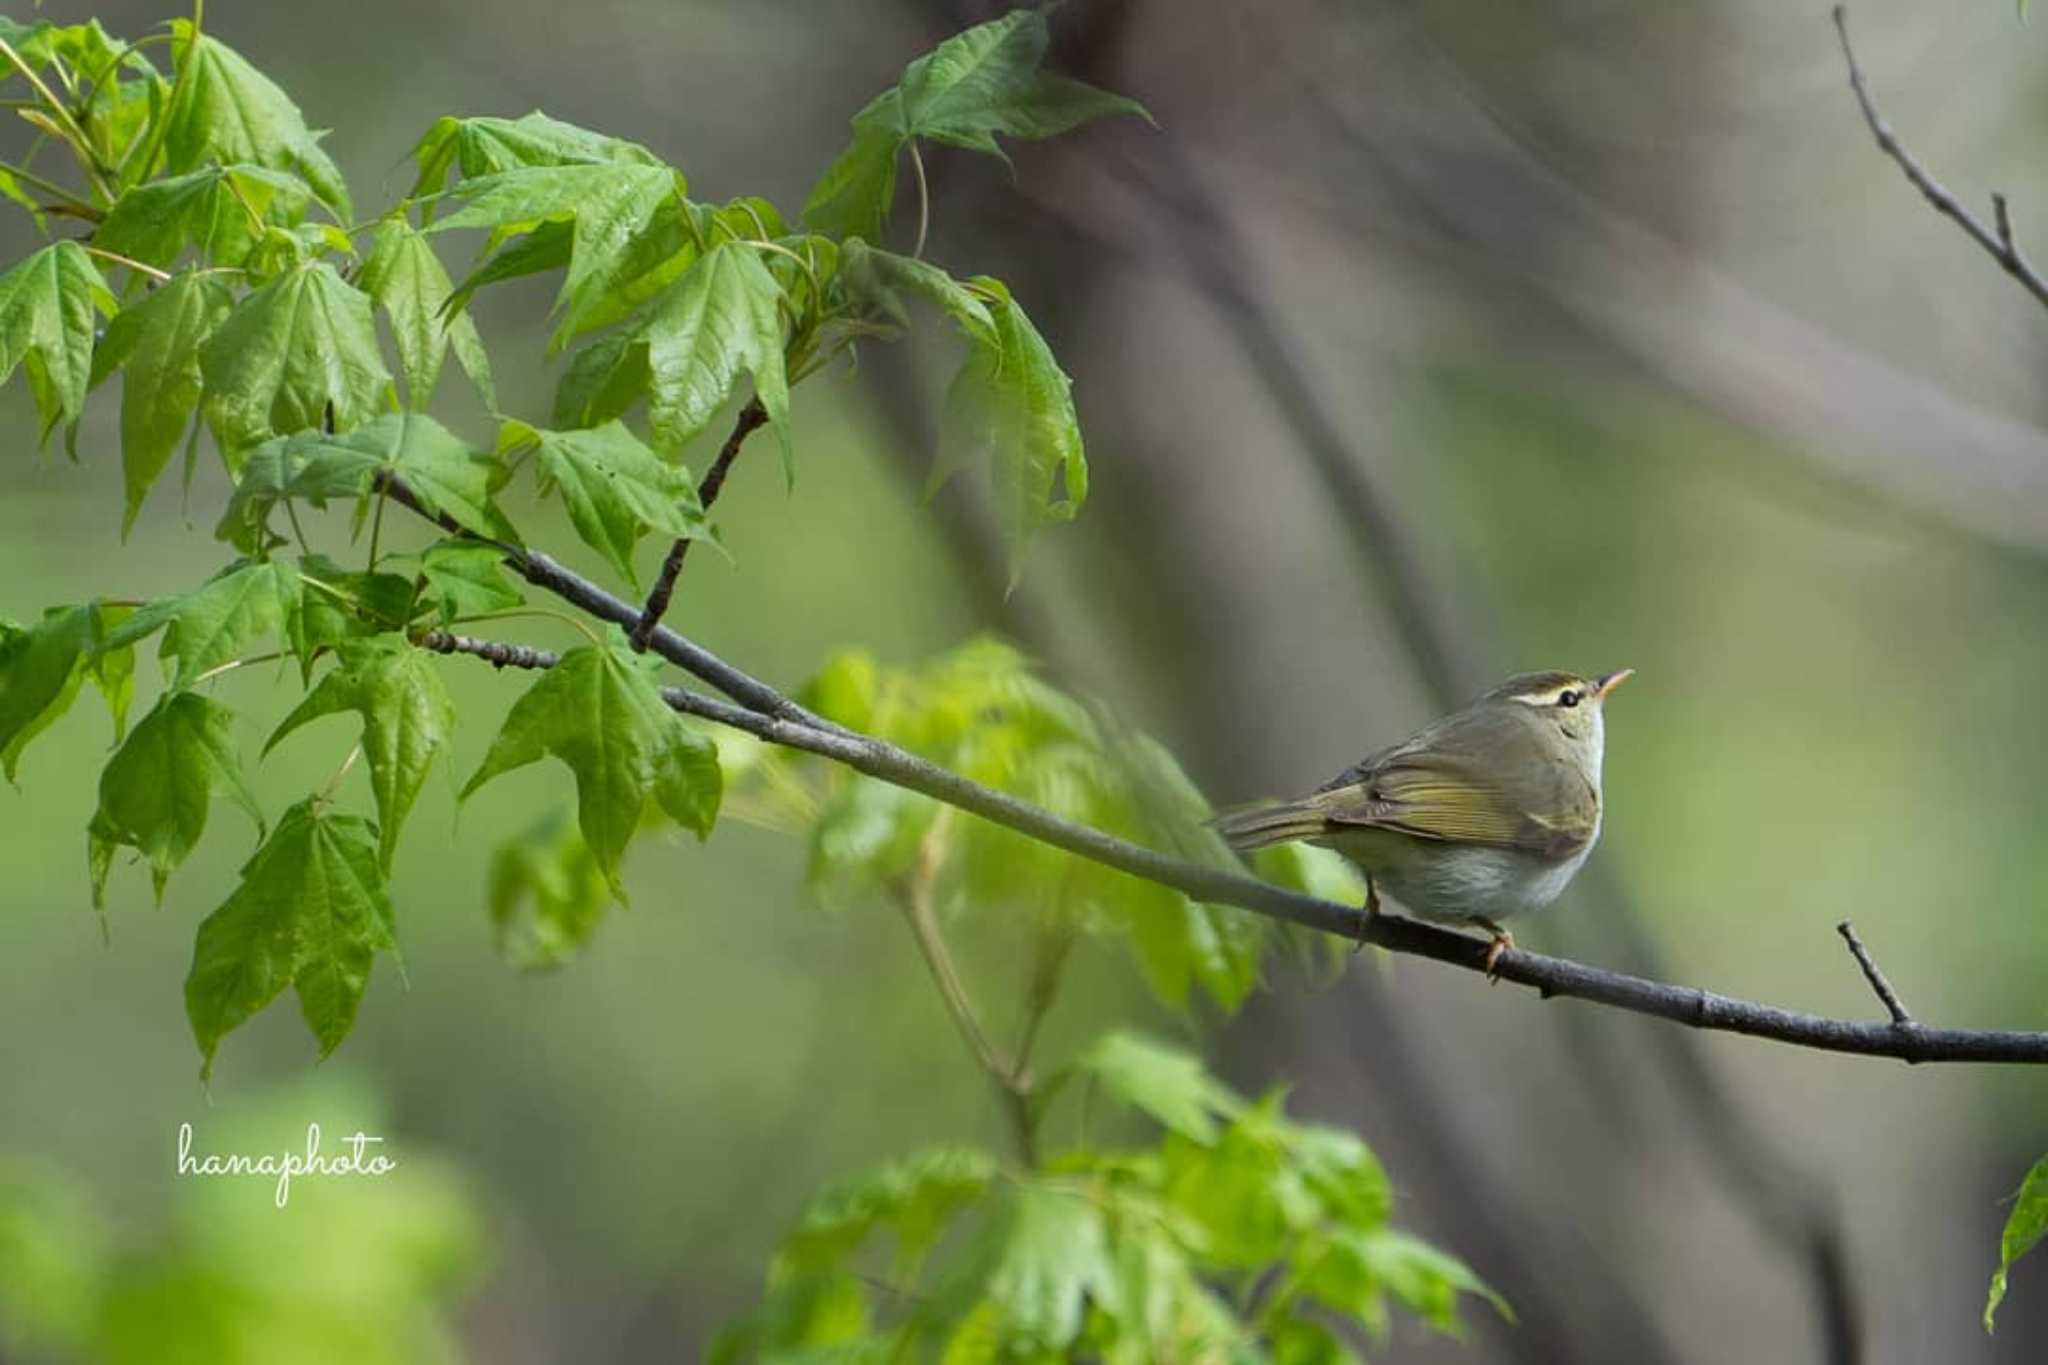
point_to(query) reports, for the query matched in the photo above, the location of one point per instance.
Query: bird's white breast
(1438, 881)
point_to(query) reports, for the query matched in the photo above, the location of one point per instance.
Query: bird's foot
(1372, 908)
(1502, 941)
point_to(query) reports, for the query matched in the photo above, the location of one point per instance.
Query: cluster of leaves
(1240, 1235)
(223, 276)
(982, 711)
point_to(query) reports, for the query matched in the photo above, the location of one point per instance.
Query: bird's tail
(1255, 827)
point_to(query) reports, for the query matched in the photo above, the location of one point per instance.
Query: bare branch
(1892, 1004)
(751, 417)
(1999, 246)
(1549, 976)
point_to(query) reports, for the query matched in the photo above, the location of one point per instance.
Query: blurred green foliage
(1240, 1236)
(351, 1267)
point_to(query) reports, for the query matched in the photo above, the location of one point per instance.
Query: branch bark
(1998, 245)
(752, 417)
(1549, 976)
(1886, 996)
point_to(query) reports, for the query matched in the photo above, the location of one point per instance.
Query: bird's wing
(1435, 787)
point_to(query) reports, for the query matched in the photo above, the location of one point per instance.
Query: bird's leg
(1372, 907)
(1502, 941)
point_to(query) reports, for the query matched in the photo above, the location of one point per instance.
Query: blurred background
(1420, 344)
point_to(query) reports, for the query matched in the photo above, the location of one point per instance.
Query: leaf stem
(1054, 945)
(376, 529)
(117, 258)
(232, 664)
(817, 290)
(515, 612)
(85, 207)
(68, 126)
(260, 228)
(181, 73)
(298, 532)
(326, 793)
(924, 201)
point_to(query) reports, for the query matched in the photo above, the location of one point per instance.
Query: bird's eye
(1568, 698)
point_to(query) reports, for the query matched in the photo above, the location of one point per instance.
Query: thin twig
(1999, 246)
(750, 419)
(1871, 973)
(922, 914)
(778, 721)
(1054, 945)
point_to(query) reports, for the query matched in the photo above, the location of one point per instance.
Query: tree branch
(1549, 976)
(1890, 998)
(1999, 245)
(545, 574)
(752, 417)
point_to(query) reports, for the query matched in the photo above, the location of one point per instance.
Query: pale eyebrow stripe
(1549, 698)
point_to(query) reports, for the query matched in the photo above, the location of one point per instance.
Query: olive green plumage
(1482, 815)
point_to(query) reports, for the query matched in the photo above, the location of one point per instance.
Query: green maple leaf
(977, 84)
(1012, 405)
(215, 622)
(602, 289)
(720, 317)
(311, 912)
(41, 667)
(603, 381)
(616, 489)
(914, 1197)
(217, 209)
(2025, 1226)
(547, 247)
(345, 604)
(1170, 1085)
(616, 210)
(853, 197)
(155, 343)
(546, 894)
(224, 110)
(1048, 1254)
(447, 475)
(986, 80)
(599, 711)
(49, 305)
(407, 717)
(407, 279)
(293, 354)
(489, 146)
(469, 579)
(1361, 1269)
(878, 278)
(155, 790)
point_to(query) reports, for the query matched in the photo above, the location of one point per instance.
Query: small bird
(1482, 816)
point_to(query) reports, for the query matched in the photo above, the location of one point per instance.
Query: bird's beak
(1608, 682)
